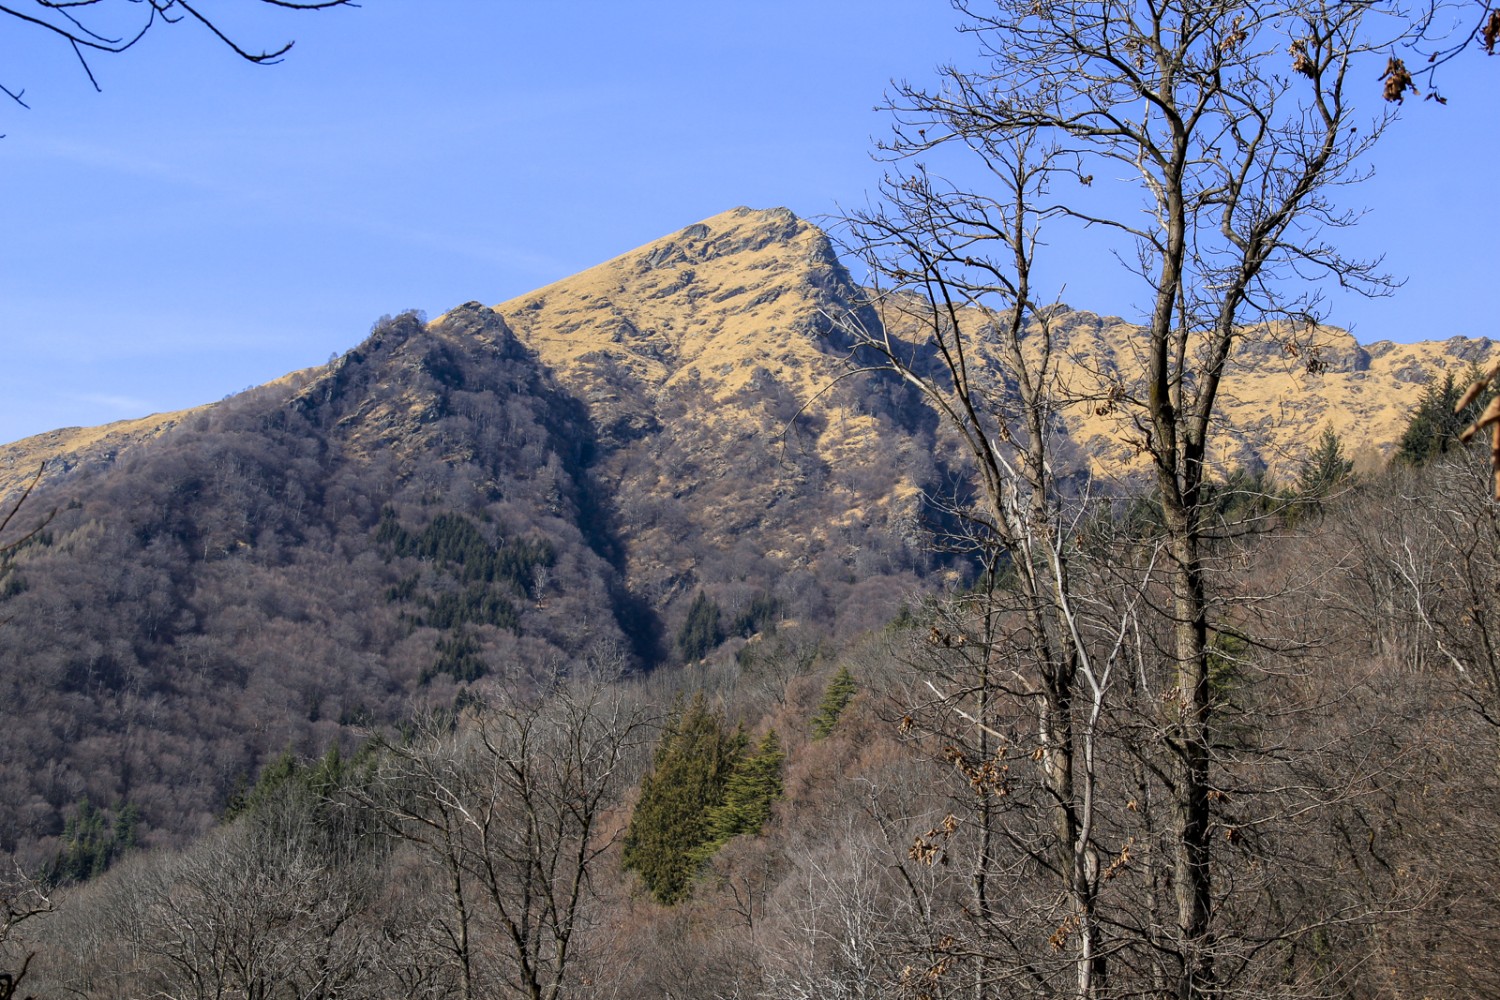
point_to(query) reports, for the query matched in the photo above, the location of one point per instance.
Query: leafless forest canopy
(1353, 775)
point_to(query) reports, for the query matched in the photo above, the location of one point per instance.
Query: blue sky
(204, 225)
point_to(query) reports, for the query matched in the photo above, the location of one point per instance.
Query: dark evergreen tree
(1326, 469)
(1434, 427)
(835, 698)
(93, 840)
(703, 629)
(458, 655)
(247, 797)
(762, 612)
(1244, 495)
(753, 786)
(671, 822)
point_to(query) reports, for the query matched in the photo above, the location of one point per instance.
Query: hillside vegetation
(664, 430)
(607, 642)
(793, 822)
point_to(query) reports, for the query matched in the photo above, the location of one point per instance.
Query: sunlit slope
(705, 359)
(716, 337)
(1282, 387)
(69, 451)
(66, 449)
(744, 301)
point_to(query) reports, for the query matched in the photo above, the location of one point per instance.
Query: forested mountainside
(297, 559)
(353, 542)
(645, 464)
(789, 822)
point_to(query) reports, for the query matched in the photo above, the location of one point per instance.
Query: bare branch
(64, 19)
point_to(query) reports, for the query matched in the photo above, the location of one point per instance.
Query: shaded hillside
(294, 560)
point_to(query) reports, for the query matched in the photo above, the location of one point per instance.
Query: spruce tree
(1433, 428)
(752, 787)
(835, 698)
(92, 840)
(703, 629)
(670, 824)
(1326, 469)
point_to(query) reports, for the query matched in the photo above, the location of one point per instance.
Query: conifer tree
(92, 840)
(1326, 469)
(752, 787)
(247, 797)
(1434, 427)
(835, 698)
(703, 629)
(670, 824)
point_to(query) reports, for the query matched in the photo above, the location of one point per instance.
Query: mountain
(324, 552)
(705, 360)
(1283, 387)
(68, 449)
(620, 470)
(361, 541)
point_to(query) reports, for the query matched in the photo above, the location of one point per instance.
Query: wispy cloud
(124, 405)
(116, 159)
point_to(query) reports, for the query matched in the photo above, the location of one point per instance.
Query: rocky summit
(705, 360)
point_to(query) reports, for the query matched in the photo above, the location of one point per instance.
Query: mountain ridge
(674, 343)
(552, 483)
(667, 312)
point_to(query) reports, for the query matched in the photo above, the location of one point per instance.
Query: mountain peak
(697, 356)
(708, 301)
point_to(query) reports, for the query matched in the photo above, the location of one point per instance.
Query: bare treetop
(1214, 139)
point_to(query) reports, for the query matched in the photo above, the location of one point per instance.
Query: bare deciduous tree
(21, 899)
(274, 906)
(108, 27)
(1232, 129)
(508, 809)
(1443, 30)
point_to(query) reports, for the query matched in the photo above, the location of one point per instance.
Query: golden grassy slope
(1281, 391)
(728, 305)
(703, 346)
(713, 304)
(69, 448)
(728, 312)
